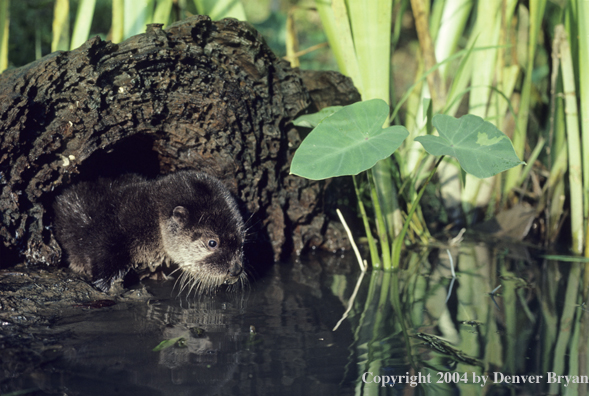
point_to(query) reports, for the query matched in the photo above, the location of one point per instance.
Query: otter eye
(212, 244)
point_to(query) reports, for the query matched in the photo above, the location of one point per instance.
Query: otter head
(207, 245)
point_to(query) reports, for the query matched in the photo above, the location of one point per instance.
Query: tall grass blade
(61, 26)
(382, 172)
(334, 17)
(371, 29)
(292, 42)
(410, 90)
(371, 23)
(556, 150)
(452, 24)
(583, 62)
(4, 23)
(117, 27)
(135, 16)
(162, 12)
(380, 226)
(556, 192)
(374, 256)
(399, 240)
(437, 88)
(219, 9)
(537, 8)
(477, 192)
(531, 160)
(482, 75)
(83, 22)
(573, 140)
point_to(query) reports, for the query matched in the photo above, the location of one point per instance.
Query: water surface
(504, 320)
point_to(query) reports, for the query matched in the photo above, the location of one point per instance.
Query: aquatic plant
(352, 140)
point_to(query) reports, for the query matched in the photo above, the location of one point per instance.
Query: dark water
(277, 338)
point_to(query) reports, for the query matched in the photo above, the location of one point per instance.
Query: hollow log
(200, 94)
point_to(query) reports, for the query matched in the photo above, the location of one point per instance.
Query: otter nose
(235, 269)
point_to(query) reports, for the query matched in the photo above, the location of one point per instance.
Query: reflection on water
(506, 324)
(501, 324)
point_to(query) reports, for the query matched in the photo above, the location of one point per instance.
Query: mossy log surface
(199, 94)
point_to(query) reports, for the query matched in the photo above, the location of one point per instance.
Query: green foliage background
(31, 27)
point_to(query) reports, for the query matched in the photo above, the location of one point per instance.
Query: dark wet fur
(109, 227)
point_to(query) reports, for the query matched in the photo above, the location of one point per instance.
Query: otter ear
(180, 215)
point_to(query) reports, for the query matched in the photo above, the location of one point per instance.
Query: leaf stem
(374, 258)
(380, 224)
(398, 242)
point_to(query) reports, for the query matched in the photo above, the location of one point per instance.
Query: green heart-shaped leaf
(348, 142)
(312, 120)
(481, 148)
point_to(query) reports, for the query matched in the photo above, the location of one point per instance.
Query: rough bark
(200, 94)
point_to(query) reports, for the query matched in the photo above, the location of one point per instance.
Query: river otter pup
(189, 218)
